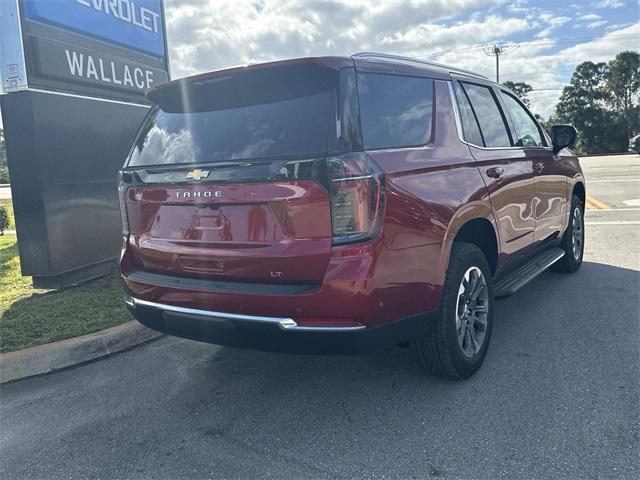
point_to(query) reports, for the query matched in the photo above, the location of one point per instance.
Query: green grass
(12, 284)
(5, 202)
(31, 317)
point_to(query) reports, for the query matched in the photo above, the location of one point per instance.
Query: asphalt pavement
(557, 397)
(613, 183)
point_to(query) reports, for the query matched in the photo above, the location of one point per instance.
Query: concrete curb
(67, 353)
(596, 155)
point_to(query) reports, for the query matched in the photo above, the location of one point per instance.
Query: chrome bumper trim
(288, 324)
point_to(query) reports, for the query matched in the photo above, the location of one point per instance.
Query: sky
(547, 39)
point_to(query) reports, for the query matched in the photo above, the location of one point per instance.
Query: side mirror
(563, 136)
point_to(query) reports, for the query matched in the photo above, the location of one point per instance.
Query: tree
(623, 84)
(582, 103)
(521, 89)
(4, 171)
(4, 220)
(600, 101)
(586, 90)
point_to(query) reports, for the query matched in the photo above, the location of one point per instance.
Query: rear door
(550, 183)
(506, 170)
(227, 179)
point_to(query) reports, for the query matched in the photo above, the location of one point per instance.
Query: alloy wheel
(472, 311)
(577, 237)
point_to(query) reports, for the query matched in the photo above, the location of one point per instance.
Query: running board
(514, 281)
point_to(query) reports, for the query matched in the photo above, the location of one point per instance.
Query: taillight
(356, 197)
(124, 179)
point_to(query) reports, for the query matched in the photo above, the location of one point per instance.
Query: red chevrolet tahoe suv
(335, 204)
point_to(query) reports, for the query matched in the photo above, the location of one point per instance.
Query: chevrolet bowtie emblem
(197, 174)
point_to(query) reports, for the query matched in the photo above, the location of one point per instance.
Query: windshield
(282, 112)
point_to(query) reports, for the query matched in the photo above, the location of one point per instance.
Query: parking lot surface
(557, 397)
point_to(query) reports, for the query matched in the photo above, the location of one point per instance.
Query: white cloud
(608, 4)
(423, 40)
(604, 48)
(591, 20)
(164, 147)
(618, 26)
(596, 24)
(589, 16)
(553, 22)
(518, 6)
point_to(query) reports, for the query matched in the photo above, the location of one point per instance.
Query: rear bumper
(364, 285)
(281, 334)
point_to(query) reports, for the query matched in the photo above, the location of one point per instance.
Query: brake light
(356, 197)
(124, 179)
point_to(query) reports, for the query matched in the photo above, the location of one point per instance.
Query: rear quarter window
(395, 111)
(488, 114)
(470, 129)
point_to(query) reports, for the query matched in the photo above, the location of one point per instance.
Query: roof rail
(417, 60)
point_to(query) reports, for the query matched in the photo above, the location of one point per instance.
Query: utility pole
(498, 50)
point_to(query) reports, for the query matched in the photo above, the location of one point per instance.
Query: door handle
(495, 172)
(538, 166)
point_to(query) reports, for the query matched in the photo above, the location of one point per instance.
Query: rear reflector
(124, 180)
(356, 197)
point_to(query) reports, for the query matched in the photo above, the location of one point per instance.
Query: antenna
(497, 50)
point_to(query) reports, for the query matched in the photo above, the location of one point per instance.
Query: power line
(540, 42)
(446, 52)
(537, 42)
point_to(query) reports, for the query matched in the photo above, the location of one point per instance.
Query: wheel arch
(580, 191)
(480, 232)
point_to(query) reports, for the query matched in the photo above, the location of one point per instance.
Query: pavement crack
(347, 412)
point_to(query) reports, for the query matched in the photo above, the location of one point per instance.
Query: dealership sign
(80, 65)
(134, 24)
(104, 48)
(73, 77)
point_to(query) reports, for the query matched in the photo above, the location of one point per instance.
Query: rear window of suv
(278, 112)
(395, 110)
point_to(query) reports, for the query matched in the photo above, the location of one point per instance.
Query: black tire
(439, 349)
(572, 259)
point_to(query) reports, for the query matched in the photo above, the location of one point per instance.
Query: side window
(395, 110)
(527, 133)
(486, 110)
(470, 130)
